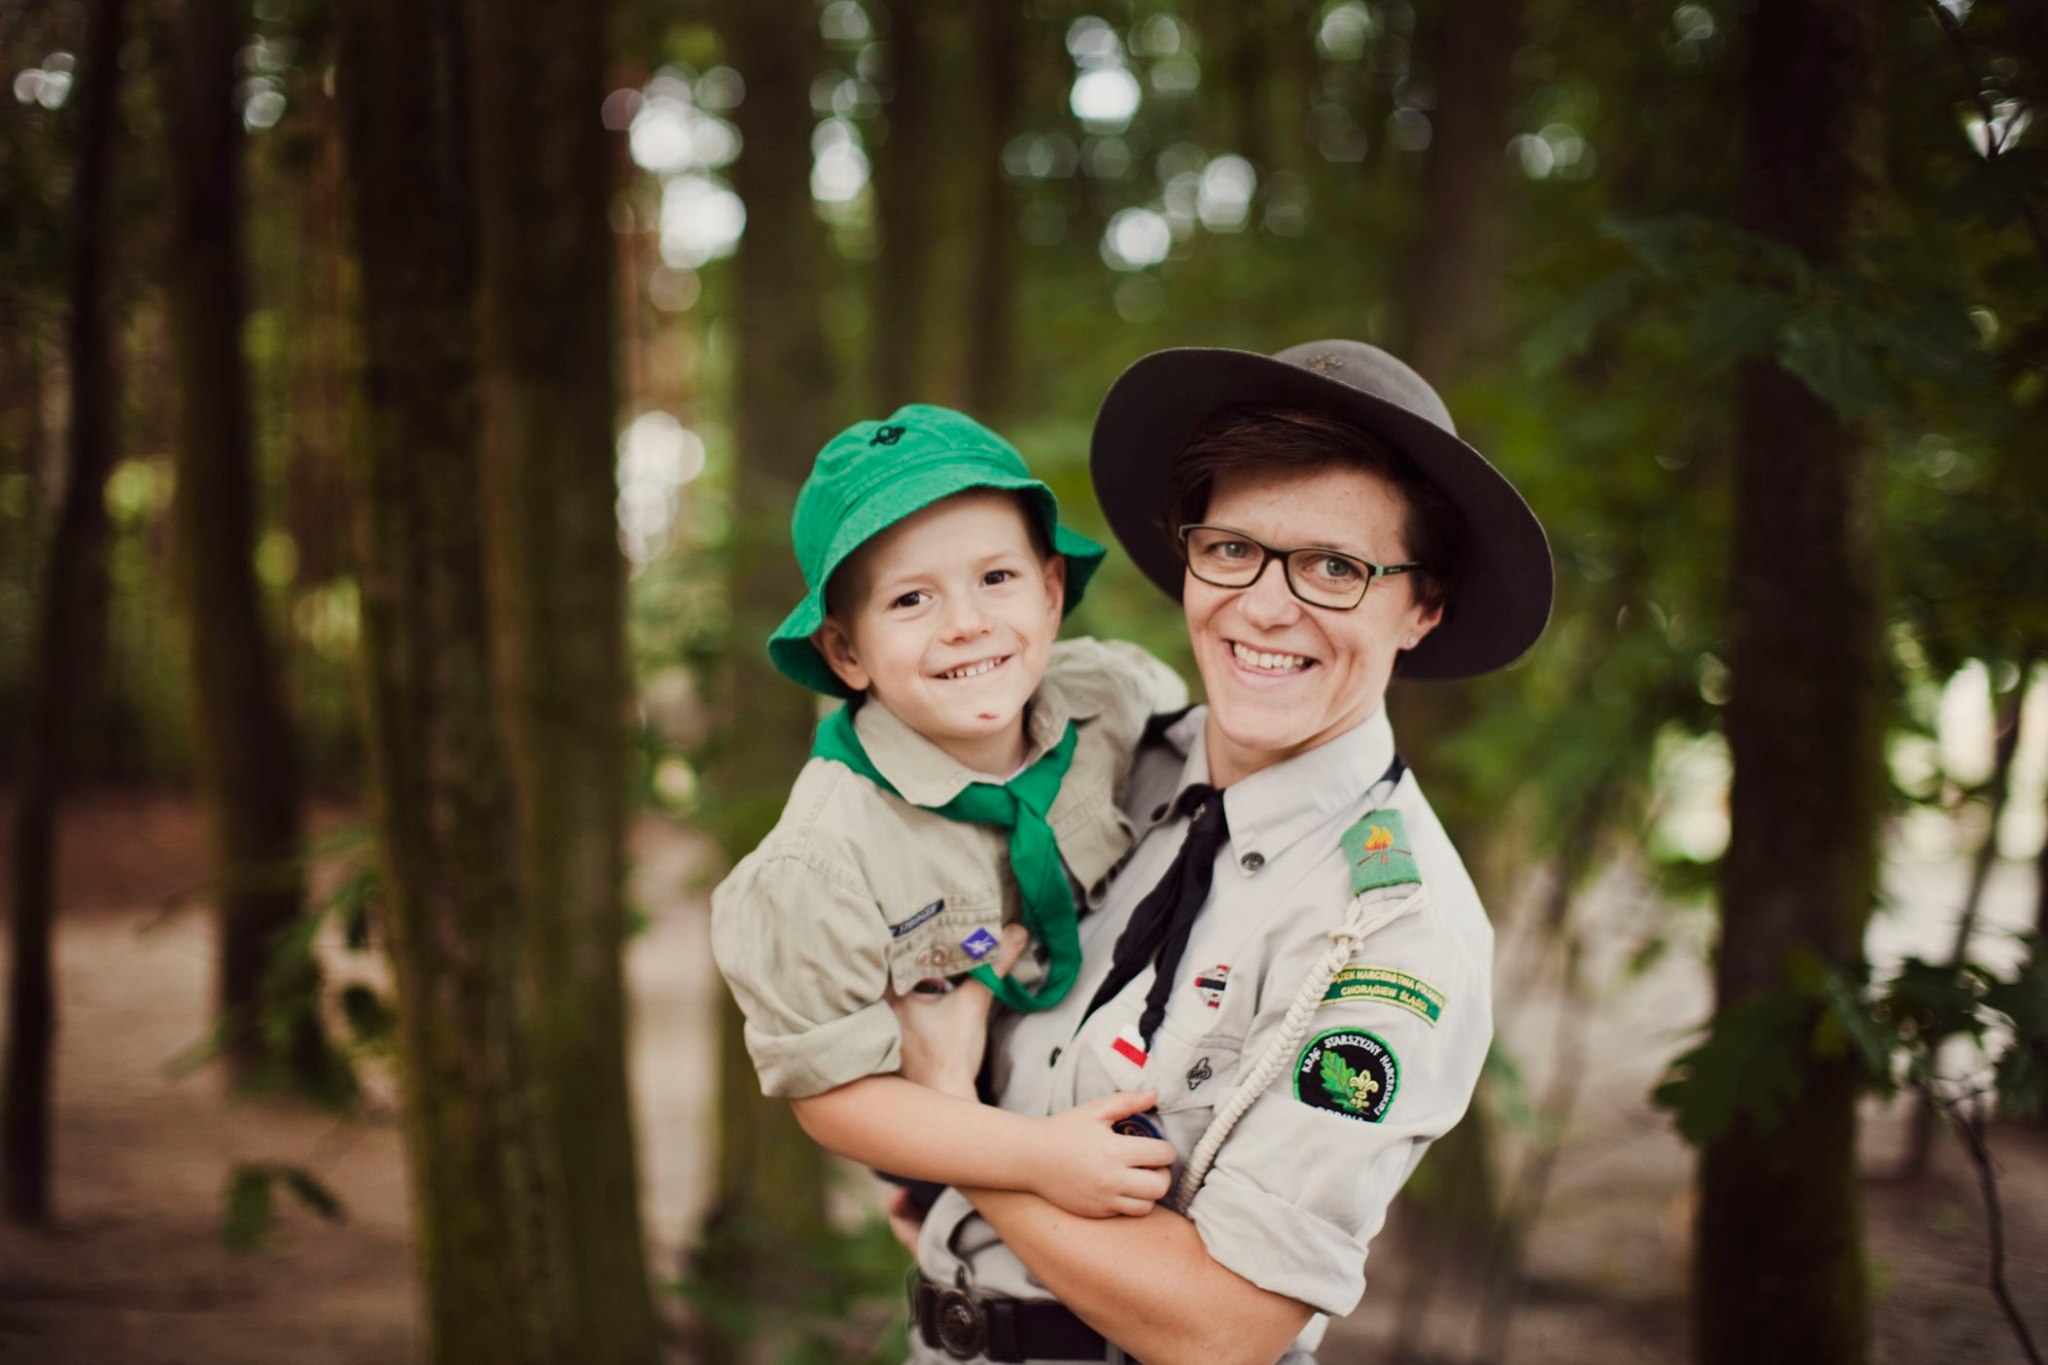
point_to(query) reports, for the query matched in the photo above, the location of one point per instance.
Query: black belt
(965, 1326)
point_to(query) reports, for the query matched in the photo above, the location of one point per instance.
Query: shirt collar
(926, 775)
(1273, 809)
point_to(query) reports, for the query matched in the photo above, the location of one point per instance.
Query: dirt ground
(136, 1274)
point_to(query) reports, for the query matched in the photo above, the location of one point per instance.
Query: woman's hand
(945, 1035)
(1089, 1169)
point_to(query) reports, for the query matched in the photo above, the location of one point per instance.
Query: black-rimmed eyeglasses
(1317, 575)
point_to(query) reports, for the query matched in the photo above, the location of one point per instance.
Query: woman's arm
(1148, 1284)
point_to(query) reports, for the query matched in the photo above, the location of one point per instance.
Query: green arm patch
(1378, 850)
(1390, 987)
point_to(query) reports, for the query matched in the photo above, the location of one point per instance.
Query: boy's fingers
(1150, 1151)
(1014, 940)
(1122, 1104)
(1133, 1208)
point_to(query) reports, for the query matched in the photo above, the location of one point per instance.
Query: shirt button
(1252, 862)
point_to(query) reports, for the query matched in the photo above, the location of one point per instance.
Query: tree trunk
(74, 592)
(243, 745)
(905, 186)
(991, 262)
(768, 1208)
(444, 800)
(1450, 285)
(557, 580)
(1779, 1265)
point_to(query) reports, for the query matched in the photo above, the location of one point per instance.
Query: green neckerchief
(1019, 808)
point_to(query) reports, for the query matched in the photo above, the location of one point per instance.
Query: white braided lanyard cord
(1367, 915)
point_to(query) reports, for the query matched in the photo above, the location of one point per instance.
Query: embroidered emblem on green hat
(1349, 1072)
(1389, 987)
(1378, 850)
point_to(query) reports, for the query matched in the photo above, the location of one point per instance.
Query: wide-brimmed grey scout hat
(1500, 602)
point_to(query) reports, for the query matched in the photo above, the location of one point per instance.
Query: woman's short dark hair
(1270, 441)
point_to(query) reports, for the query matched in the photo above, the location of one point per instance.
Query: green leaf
(246, 1214)
(1734, 323)
(1747, 1066)
(1819, 352)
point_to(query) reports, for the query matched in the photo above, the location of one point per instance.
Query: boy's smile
(947, 618)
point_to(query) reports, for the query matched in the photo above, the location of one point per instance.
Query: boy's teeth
(1259, 659)
(971, 670)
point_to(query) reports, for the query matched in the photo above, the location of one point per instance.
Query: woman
(1294, 958)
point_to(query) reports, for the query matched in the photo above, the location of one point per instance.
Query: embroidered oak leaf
(1348, 1088)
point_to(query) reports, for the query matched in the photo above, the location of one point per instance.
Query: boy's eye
(909, 599)
(996, 576)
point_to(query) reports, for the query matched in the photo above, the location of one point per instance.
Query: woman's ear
(1422, 621)
(833, 641)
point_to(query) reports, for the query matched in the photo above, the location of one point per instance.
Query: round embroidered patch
(1135, 1125)
(1348, 1071)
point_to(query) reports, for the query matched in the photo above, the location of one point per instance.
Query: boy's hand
(1094, 1172)
(945, 1034)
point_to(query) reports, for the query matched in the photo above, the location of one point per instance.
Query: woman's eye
(1337, 567)
(1231, 549)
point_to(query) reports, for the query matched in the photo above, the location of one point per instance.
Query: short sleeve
(1304, 1181)
(806, 954)
(1115, 680)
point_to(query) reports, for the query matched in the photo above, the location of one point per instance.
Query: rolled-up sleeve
(806, 954)
(1303, 1183)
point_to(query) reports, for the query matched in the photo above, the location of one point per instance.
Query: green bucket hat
(873, 475)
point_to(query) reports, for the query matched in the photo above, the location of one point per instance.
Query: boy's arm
(1072, 1159)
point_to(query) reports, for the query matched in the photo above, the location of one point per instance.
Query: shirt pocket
(935, 941)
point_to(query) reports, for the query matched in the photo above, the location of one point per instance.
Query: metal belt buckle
(961, 1322)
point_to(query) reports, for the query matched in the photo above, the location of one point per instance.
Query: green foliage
(1751, 1063)
(248, 1205)
(849, 1312)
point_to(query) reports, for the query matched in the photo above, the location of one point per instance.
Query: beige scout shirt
(1298, 1190)
(855, 892)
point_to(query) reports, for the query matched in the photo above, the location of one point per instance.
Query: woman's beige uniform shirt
(1300, 1188)
(855, 891)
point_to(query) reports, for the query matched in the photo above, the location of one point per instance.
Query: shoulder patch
(1378, 850)
(1348, 1072)
(921, 917)
(1390, 987)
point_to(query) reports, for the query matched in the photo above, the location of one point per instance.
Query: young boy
(969, 783)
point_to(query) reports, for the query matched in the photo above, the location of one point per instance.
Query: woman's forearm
(908, 1130)
(1148, 1284)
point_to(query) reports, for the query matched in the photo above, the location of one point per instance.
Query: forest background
(399, 410)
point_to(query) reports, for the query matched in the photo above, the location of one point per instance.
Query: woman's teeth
(973, 670)
(1272, 663)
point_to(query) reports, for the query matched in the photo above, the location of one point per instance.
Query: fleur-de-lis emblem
(1325, 363)
(887, 436)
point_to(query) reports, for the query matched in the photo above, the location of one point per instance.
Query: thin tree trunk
(991, 264)
(904, 190)
(767, 1213)
(557, 579)
(446, 822)
(243, 745)
(2005, 747)
(74, 590)
(1779, 1273)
